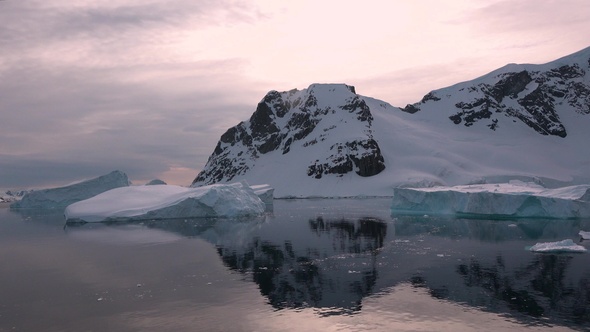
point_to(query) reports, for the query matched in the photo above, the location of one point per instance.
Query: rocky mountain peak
(301, 118)
(527, 93)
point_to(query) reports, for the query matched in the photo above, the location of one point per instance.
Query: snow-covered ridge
(10, 196)
(513, 200)
(532, 94)
(526, 122)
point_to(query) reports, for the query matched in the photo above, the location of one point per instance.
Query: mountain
(526, 122)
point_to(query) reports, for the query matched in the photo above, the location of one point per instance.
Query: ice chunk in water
(559, 246)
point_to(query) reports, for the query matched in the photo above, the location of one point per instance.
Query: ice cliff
(509, 200)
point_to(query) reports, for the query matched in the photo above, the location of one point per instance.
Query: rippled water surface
(346, 265)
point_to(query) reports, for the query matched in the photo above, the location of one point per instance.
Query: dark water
(327, 265)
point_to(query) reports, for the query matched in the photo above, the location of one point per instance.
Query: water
(345, 265)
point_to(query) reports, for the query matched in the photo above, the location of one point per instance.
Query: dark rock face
(364, 157)
(283, 119)
(511, 85)
(537, 108)
(529, 96)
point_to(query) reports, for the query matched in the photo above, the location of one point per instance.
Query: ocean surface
(308, 265)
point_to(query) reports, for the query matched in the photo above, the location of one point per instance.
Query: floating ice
(265, 192)
(59, 198)
(155, 182)
(508, 200)
(167, 201)
(559, 246)
(585, 235)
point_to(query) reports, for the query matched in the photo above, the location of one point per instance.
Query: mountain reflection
(333, 278)
(330, 255)
(542, 292)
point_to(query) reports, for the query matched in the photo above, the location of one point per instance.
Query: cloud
(141, 120)
(527, 15)
(109, 34)
(148, 87)
(92, 86)
(529, 31)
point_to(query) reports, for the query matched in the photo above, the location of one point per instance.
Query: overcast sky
(148, 87)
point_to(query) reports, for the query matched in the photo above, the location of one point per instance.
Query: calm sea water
(310, 265)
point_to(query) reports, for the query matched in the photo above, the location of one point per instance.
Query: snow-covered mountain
(527, 122)
(12, 195)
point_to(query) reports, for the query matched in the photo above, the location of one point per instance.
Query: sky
(148, 87)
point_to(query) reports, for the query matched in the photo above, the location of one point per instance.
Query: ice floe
(559, 246)
(585, 235)
(168, 201)
(506, 200)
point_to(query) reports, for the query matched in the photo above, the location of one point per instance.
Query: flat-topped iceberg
(168, 201)
(59, 198)
(559, 246)
(507, 200)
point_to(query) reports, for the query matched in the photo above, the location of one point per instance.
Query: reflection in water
(331, 256)
(366, 235)
(491, 230)
(332, 278)
(538, 289)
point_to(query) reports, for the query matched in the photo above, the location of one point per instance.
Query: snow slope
(526, 122)
(168, 201)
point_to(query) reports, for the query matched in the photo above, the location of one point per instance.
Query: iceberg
(59, 198)
(559, 246)
(155, 182)
(166, 202)
(265, 192)
(585, 235)
(507, 200)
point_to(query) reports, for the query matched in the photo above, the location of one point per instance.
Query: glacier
(515, 199)
(168, 201)
(61, 197)
(558, 246)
